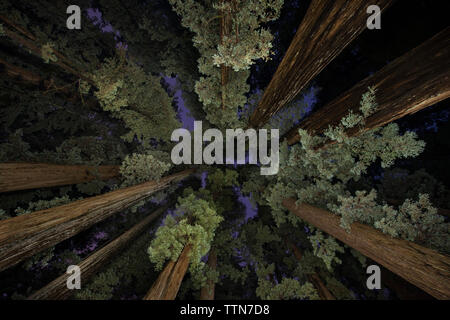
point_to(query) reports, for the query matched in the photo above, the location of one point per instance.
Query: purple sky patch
(183, 112)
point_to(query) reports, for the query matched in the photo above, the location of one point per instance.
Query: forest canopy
(86, 135)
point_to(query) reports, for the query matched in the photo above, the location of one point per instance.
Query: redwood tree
(86, 119)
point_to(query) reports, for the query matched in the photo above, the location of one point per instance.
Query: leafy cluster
(319, 175)
(285, 290)
(413, 220)
(248, 41)
(222, 91)
(44, 204)
(139, 168)
(135, 97)
(48, 53)
(193, 224)
(398, 185)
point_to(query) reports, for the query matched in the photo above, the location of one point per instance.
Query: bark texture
(28, 234)
(57, 289)
(423, 267)
(23, 176)
(207, 292)
(412, 82)
(168, 283)
(327, 28)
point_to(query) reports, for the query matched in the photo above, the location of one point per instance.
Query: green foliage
(67, 257)
(285, 290)
(308, 265)
(238, 50)
(226, 245)
(85, 150)
(92, 187)
(48, 53)
(137, 98)
(361, 208)
(219, 191)
(101, 287)
(275, 195)
(320, 176)
(128, 271)
(218, 180)
(256, 235)
(139, 168)
(44, 20)
(194, 224)
(41, 259)
(399, 184)
(361, 258)
(326, 248)
(99, 105)
(413, 220)
(44, 204)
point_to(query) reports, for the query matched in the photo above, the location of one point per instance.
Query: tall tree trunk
(423, 267)
(327, 28)
(26, 40)
(57, 289)
(16, 72)
(314, 278)
(207, 292)
(30, 78)
(28, 234)
(323, 291)
(17, 27)
(23, 176)
(225, 30)
(416, 80)
(169, 281)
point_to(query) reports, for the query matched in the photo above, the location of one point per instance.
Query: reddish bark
(207, 292)
(423, 267)
(28, 234)
(23, 176)
(57, 289)
(169, 281)
(412, 82)
(327, 28)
